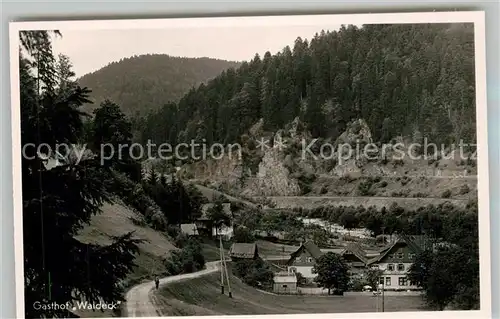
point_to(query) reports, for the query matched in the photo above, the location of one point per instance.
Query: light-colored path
(138, 299)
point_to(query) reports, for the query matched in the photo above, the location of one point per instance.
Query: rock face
(295, 128)
(282, 171)
(272, 177)
(348, 168)
(357, 130)
(227, 169)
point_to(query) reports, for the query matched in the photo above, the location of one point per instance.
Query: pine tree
(58, 202)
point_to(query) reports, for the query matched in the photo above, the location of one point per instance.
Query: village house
(285, 283)
(356, 259)
(303, 259)
(395, 261)
(240, 251)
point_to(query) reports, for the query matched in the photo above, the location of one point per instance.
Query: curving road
(138, 298)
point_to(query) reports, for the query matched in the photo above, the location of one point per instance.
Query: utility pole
(227, 277)
(224, 269)
(221, 253)
(383, 296)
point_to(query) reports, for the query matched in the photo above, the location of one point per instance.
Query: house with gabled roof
(303, 259)
(355, 257)
(240, 251)
(395, 261)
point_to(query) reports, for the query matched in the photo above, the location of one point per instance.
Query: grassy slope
(210, 249)
(115, 221)
(201, 296)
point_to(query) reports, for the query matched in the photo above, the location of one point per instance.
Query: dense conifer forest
(375, 72)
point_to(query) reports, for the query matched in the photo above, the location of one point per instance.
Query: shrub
(364, 188)
(301, 280)
(181, 240)
(255, 273)
(383, 184)
(464, 189)
(398, 162)
(405, 180)
(420, 195)
(356, 284)
(173, 231)
(189, 259)
(138, 221)
(158, 221)
(446, 194)
(305, 181)
(347, 178)
(471, 162)
(324, 190)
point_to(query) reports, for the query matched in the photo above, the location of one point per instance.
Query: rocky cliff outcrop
(273, 177)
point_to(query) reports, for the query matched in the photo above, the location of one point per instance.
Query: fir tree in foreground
(58, 202)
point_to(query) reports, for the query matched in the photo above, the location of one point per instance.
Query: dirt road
(138, 299)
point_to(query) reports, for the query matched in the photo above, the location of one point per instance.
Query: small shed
(285, 283)
(244, 251)
(189, 229)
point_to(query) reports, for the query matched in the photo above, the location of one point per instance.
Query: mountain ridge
(143, 83)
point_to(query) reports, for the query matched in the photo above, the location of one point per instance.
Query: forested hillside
(144, 83)
(404, 80)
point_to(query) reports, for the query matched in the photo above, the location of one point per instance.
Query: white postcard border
(476, 17)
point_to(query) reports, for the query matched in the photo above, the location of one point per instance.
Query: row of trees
(436, 221)
(411, 80)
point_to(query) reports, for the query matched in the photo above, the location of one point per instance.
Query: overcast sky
(90, 50)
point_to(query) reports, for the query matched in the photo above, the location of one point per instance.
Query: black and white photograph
(266, 165)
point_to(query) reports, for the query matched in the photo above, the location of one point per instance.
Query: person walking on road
(157, 282)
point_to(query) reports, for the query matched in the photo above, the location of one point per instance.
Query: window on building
(400, 255)
(309, 259)
(381, 280)
(391, 256)
(403, 281)
(390, 267)
(284, 286)
(401, 267)
(387, 281)
(411, 255)
(293, 270)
